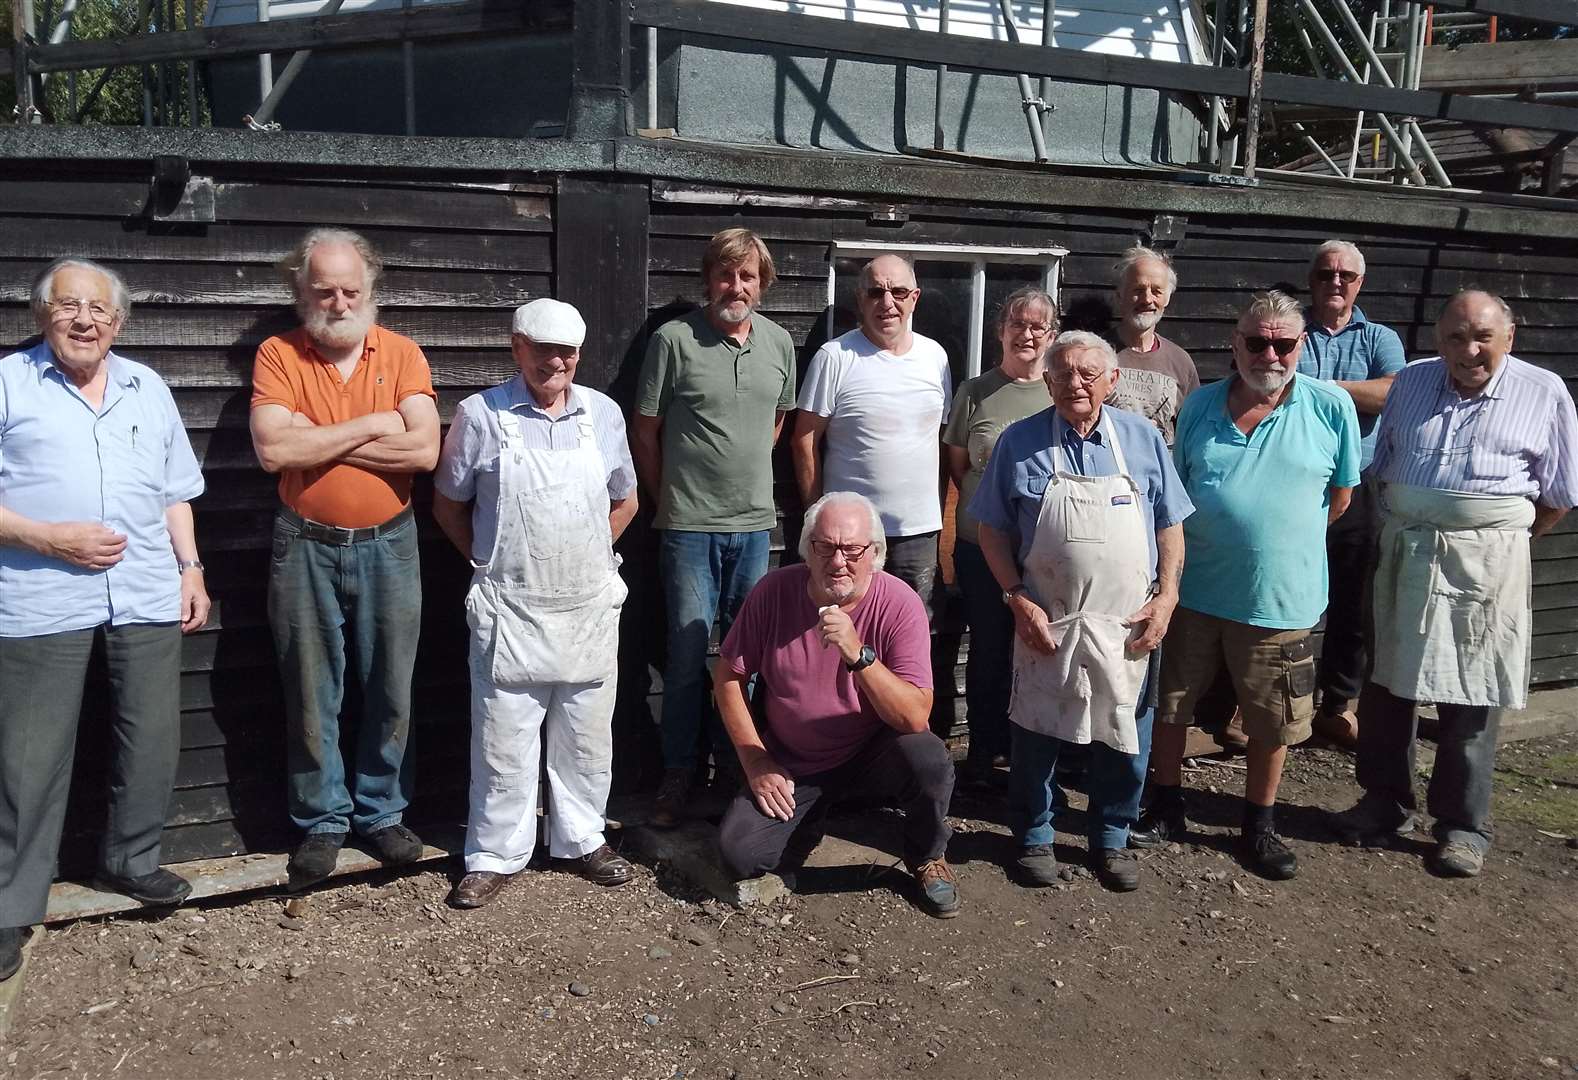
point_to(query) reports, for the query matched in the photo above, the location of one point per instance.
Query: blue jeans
(331, 605)
(1114, 782)
(989, 668)
(706, 576)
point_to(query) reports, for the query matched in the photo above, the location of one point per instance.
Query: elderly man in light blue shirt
(96, 545)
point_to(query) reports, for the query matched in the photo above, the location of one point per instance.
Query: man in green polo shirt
(1269, 458)
(711, 402)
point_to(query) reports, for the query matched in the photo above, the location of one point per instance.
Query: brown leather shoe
(1341, 729)
(1232, 736)
(605, 866)
(477, 888)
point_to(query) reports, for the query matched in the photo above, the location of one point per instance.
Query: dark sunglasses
(900, 293)
(1347, 277)
(1257, 344)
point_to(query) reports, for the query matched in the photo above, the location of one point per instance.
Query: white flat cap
(550, 322)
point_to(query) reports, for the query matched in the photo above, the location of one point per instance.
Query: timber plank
(364, 203)
(228, 326)
(215, 367)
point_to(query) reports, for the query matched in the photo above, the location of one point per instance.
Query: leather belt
(334, 534)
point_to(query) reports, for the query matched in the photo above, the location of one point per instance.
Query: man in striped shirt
(1476, 450)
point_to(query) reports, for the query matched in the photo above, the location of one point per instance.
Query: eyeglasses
(74, 308)
(1257, 344)
(1069, 377)
(1019, 326)
(900, 293)
(852, 552)
(1347, 277)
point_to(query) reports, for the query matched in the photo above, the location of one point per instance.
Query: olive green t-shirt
(982, 408)
(719, 401)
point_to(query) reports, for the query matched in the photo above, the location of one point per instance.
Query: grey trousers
(41, 681)
(913, 560)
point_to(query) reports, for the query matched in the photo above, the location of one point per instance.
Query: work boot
(939, 888)
(1370, 822)
(477, 888)
(158, 889)
(1266, 854)
(669, 806)
(605, 866)
(11, 939)
(1459, 858)
(314, 859)
(395, 845)
(1037, 865)
(1116, 868)
(1163, 822)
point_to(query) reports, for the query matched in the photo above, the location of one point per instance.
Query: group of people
(1135, 553)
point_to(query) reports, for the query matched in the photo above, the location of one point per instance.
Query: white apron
(1453, 607)
(1088, 566)
(545, 606)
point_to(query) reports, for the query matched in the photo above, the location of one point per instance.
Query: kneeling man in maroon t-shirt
(843, 654)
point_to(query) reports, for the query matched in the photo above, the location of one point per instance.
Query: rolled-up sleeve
(456, 475)
(1556, 470)
(616, 444)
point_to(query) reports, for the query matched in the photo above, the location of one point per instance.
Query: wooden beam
(702, 17)
(476, 18)
(1550, 12)
(600, 71)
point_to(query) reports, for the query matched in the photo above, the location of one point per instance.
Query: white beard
(1266, 383)
(1143, 320)
(346, 332)
(733, 313)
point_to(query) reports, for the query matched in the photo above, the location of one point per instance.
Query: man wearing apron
(1081, 522)
(1477, 450)
(534, 485)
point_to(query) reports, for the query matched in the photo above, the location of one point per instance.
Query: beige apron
(1453, 609)
(1088, 567)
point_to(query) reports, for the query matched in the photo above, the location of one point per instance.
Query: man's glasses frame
(74, 307)
(900, 293)
(1257, 344)
(852, 553)
(1347, 277)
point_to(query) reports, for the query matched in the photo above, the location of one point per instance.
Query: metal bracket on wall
(1229, 180)
(1167, 230)
(174, 194)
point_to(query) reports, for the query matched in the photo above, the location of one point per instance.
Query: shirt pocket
(138, 454)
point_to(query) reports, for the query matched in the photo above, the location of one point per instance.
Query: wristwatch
(867, 657)
(1009, 594)
(183, 565)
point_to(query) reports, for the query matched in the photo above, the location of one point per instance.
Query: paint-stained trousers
(41, 681)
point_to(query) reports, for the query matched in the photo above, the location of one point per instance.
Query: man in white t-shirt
(871, 413)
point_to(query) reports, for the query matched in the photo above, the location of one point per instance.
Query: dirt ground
(1365, 966)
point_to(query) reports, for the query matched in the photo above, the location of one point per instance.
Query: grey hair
(1337, 245)
(1140, 253)
(1083, 339)
(44, 284)
(865, 271)
(293, 266)
(879, 540)
(1272, 304)
(1024, 297)
(1506, 308)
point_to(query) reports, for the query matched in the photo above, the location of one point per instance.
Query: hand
(772, 788)
(838, 630)
(1031, 625)
(1150, 622)
(195, 604)
(87, 544)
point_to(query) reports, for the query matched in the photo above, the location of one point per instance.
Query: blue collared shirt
(1517, 436)
(1030, 451)
(1360, 350)
(122, 465)
(468, 467)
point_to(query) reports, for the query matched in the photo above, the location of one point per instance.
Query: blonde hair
(731, 247)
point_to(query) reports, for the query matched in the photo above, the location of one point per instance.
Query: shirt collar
(1492, 389)
(1063, 431)
(710, 335)
(1295, 395)
(1355, 318)
(120, 371)
(521, 398)
(369, 343)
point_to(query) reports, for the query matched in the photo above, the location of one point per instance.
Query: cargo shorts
(1272, 671)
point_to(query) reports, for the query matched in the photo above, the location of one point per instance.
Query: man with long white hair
(1268, 458)
(344, 411)
(842, 654)
(1154, 374)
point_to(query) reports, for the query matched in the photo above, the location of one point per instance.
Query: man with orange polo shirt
(344, 411)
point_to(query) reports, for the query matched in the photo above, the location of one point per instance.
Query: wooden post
(22, 29)
(1257, 79)
(600, 70)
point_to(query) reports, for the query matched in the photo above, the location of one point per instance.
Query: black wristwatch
(867, 657)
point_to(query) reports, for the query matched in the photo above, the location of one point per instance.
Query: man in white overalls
(1082, 524)
(1476, 450)
(534, 485)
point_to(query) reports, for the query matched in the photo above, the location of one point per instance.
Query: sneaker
(158, 889)
(1116, 868)
(395, 845)
(939, 888)
(314, 859)
(1036, 865)
(1159, 826)
(1459, 858)
(1267, 855)
(11, 939)
(669, 806)
(1367, 823)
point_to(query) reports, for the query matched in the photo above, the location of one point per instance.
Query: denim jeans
(706, 577)
(333, 606)
(913, 560)
(989, 667)
(1113, 782)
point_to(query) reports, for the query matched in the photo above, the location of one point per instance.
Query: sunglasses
(1257, 344)
(1347, 277)
(900, 293)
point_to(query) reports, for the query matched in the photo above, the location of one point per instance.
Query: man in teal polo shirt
(1361, 357)
(714, 390)
(1269, 459)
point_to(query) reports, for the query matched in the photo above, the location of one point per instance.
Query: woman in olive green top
(982, 407)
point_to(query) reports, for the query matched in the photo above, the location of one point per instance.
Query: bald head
(886, 296)
(1474, 334)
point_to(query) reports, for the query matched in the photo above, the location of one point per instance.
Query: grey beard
(723, 314)
(1143, 320)
(346, 333)
(1267, 384)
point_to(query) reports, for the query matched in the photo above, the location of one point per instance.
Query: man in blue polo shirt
(1268, 459)
(1362, 357)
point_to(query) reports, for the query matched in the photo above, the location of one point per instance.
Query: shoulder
(893, 601)
(1380, 334)
(776, 584)
(1418, 373)
(397, 345)
(1202, 401)
(1175, 352)
(599, 404)
(146, 376)
(290, 347)
(926, 348)
(1548, 381)
(980, 386)
(770, 332)
(1027, 435)
(1320, 393)
(1134, 430)
(680, 329)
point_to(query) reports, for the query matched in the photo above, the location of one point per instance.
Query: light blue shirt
(468, 466)
(1360, 350)
(1030, 451)
(122, 465)
(1255, 548)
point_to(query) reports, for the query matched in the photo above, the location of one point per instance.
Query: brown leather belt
(333, 534)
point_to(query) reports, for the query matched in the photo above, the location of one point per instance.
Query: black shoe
(314, 859)
(11, 939)
(1268, 856)
(1159, 826)
(158, 889)
(1037, 865)
(395, 845)
(1116, 868)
